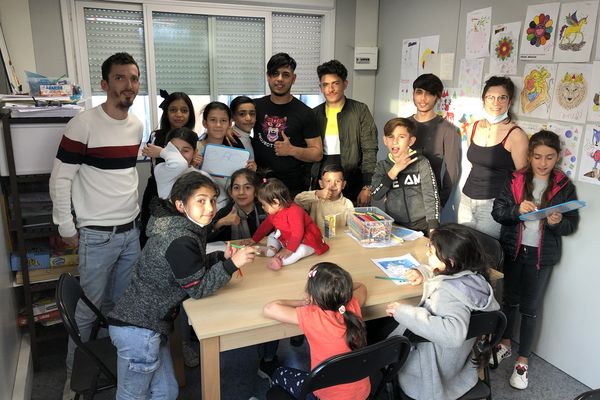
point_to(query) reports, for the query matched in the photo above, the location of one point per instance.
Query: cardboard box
(38, 258)
(50, 274)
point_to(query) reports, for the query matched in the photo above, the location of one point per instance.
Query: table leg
(177, 353)
(210, 368)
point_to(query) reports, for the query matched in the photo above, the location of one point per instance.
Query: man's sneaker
(267, 368)
(502, 352)
(191, 358)
(519, 378)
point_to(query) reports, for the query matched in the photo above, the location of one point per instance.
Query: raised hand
(151, 150)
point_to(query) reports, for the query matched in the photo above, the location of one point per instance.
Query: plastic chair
(591, 395)
(95, 361)
(380, 362)
(489, 326)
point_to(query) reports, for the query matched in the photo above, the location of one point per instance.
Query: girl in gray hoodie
(455, 283)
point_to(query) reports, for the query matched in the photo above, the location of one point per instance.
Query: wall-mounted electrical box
(365, 58)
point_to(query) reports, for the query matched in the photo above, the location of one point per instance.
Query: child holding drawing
(329, 200)
(531, 247)
(455, 283)
(216, 119)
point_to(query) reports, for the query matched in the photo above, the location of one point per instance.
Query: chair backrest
(387, 356)
(487, 323)
(68, 294)
(591, 395)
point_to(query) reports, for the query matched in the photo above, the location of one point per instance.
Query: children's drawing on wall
(478, 33)
(575, 31)
(444, 107)
(410, 59)
(570, 138)
(530, 127)
(589, 170)
(406, 106)
(537, 39)
(536, 94)
(428, 45)
(466, 111)
(470, 75)
(594, 97)
(503, 60)
(571, 92)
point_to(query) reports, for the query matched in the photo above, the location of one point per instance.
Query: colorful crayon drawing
(538, 36)
(536, 94)
(575, 29)
(570, 101)
(571, 37)
(589, 171)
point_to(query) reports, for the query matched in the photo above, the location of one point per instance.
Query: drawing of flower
(504, 48)
(540, 30)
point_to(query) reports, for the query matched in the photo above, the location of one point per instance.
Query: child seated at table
(331, 319)
(455, 283)
(172, 267)
(295, 234)
(242, 216)
(405, 179)
(329, 200)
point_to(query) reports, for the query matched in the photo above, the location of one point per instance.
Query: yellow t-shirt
(331, 144)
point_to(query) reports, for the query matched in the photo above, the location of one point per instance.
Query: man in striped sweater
(95, 170)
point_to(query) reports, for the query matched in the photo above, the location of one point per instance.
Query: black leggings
(524, 288)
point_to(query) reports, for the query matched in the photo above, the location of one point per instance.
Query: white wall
(568, 319)
(16, 26)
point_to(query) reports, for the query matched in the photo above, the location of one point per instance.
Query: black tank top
(492, 166)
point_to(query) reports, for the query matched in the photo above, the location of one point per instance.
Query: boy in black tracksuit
(406, 180)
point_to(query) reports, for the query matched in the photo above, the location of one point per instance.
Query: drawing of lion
(571, 91)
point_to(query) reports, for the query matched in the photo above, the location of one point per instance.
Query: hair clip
(342, 310)
(165, 95)
(312, 273)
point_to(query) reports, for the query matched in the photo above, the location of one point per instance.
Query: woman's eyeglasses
(492, 99)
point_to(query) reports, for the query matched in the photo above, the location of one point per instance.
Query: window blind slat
(109, 31)
(300, 36)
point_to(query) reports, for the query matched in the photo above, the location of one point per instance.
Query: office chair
(591, 395)
(95, 361)
(380, 362)
(490, 327)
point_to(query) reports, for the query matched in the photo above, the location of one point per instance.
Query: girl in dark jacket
(532, 248)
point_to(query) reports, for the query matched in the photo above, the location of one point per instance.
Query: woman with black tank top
(496, 148)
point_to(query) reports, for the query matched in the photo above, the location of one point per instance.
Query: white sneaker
(68, 394)
(519, 378)
(191, 358)
(502, 352)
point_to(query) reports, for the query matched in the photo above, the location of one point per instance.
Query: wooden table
(232, 317)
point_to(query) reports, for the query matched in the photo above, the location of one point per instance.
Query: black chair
(95, 361)
(591, 395)
(380, 362)
(488, 326)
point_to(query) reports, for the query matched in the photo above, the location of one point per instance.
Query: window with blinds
(181, 55)
(300, 36)
(108, 31)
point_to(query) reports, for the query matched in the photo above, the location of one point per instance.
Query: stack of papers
(31, 111)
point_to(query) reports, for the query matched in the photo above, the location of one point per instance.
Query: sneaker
(68, 394)
(275, 263)
(191, 358)
(519, 378)
(502, 352)
(267, 368)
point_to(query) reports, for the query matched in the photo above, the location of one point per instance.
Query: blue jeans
(144, 364)
(478, 215)
(106, 261)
